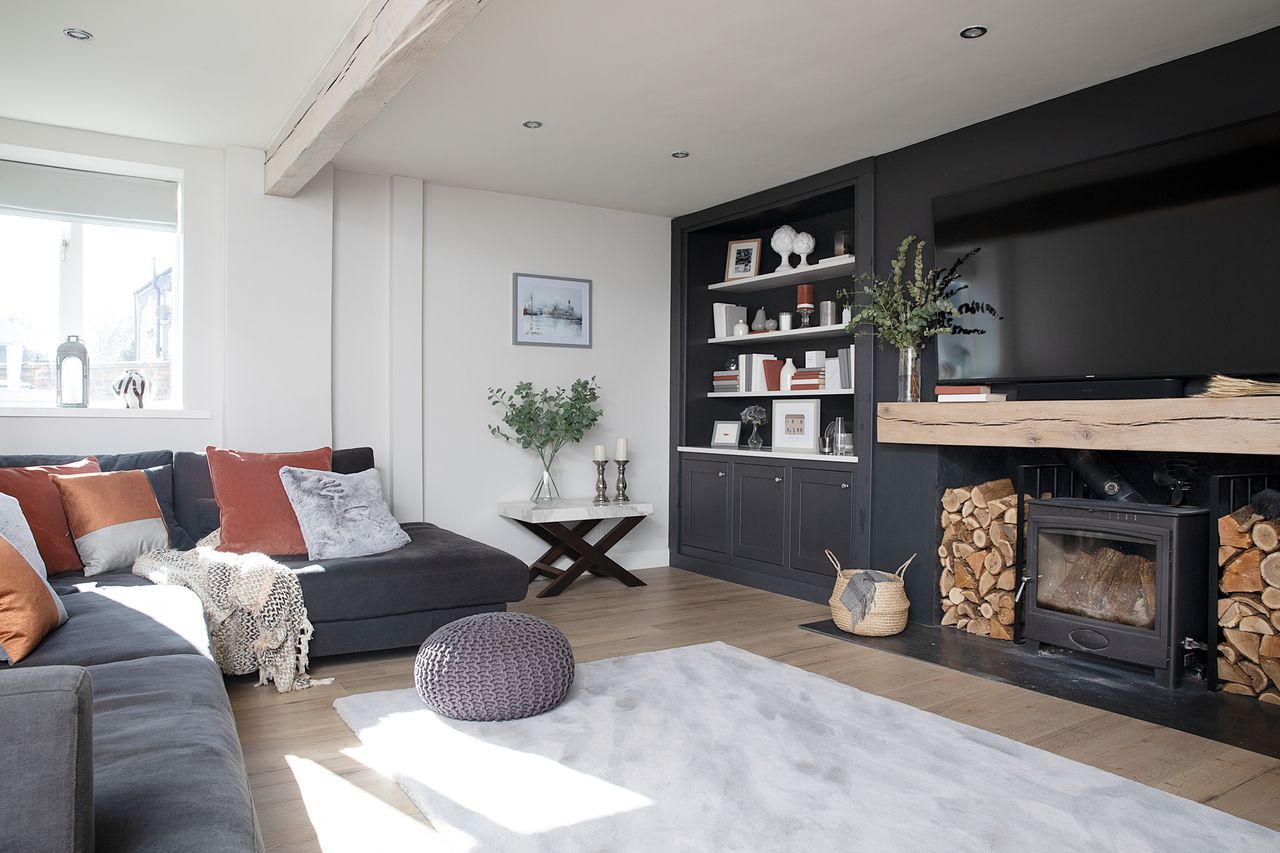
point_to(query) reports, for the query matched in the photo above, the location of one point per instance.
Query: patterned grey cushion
(342, 515)
(494, 666)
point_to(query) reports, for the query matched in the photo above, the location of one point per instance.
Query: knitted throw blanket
(252, 604)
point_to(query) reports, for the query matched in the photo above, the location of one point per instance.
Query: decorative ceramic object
(741, 329)
(771, 325)
(758, 324)
(804, 246)
(788, 371)
(132, 387)
(783, 242)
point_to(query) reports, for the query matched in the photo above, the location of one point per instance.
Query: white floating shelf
(768, 453)
(842, 266)
(812, 332)
(826, 392)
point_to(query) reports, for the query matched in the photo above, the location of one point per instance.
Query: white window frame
(175, 405)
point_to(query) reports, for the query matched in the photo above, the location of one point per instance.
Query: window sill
(136, 414)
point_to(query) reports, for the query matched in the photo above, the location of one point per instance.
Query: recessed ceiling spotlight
(973, 32)
(77, 34)
(680, 155)
(532, 124)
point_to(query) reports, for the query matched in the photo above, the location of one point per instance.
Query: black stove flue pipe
(1104, 480)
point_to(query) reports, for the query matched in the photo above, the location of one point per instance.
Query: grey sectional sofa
(119, 734)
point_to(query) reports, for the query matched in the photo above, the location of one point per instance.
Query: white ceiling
(759, 91)
(218, 72)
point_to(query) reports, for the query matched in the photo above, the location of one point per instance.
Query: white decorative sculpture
(783, 243)
(132, 386)
(803, 246)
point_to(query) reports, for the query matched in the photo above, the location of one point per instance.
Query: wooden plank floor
(315, 788)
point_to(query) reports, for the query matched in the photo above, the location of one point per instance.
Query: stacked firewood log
(1249, 605)
(979, 531)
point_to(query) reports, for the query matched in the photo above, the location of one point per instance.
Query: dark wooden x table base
(586, 556)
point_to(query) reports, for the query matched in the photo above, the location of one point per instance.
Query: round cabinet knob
(719, 473)
(844, 486)
(777, 479)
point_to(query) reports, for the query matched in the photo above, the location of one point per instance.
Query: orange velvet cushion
(256, 513)
(42, 507)
(27, 608)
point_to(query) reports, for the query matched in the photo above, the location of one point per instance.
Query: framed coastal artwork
(551, 311)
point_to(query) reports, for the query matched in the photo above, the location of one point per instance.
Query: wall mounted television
(1160, 262)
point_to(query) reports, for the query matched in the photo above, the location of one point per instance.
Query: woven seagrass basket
(887, 614)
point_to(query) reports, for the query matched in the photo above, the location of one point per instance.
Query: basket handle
(902, 570)
(834, 560)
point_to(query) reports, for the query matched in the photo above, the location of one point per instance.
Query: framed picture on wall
(743, 259)
(726, 433)
(795, 425)
(551, 311)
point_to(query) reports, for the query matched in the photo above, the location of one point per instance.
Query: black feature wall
(1222, 86)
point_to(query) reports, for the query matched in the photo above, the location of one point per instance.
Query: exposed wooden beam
(390, 42)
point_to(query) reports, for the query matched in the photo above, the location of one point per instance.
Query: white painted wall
(279, 311)
(256, 302)
(474, 242)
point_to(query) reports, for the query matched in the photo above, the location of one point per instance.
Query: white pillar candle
(620, 453)
(600, 457)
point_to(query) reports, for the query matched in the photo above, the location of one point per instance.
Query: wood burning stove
(1123, 581)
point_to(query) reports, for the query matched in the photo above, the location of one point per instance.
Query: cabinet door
(821, 517)
(704, 505)
(760, 513)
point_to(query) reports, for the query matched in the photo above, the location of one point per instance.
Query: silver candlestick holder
(621, 496)
(602, 496)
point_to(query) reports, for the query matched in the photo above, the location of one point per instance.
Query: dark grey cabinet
(821, 518)
(766, 523)
(704, 505)
(760, 513)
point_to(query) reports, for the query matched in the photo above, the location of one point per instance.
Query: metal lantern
(73, 373)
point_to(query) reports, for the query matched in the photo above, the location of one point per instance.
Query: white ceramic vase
(788, 371)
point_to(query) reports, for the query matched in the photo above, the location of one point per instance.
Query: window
(90, 255)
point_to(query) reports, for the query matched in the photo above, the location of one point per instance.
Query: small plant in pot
(545, 421)
(756, 416)
(911, 306)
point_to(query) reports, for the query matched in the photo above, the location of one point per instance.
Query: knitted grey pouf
(494, 666)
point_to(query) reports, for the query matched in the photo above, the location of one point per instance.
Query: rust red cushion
(42, 507)
(256, 513)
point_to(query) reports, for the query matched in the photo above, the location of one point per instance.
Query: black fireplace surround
(1122, 581)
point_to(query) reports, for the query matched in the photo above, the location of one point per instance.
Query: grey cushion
(495, 666)
(124, 623)
(168, 771)
(46, 766)
(437, 569)
(341, 515)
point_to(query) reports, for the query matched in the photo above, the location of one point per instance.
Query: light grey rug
(710, 748)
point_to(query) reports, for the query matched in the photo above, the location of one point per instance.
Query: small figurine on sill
(132, 386)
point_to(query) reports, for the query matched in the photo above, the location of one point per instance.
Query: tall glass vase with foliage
(545, 421)
(911, 306)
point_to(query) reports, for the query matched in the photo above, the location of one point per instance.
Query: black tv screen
(1159, 262)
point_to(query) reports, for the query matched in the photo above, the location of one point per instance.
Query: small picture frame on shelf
(726, 433)
(743, 259)
(796, 425)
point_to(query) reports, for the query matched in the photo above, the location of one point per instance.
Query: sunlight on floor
(348, 818)
(520, 791)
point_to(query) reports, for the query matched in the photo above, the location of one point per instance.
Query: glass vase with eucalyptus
(756, 416)
(910, 306)
(545, 421)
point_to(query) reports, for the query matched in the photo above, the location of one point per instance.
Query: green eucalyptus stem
(547, 420)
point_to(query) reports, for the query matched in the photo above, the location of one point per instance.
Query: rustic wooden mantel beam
(390, 42)
(1184, 425)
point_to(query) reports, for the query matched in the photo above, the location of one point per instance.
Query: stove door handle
(1017, 596)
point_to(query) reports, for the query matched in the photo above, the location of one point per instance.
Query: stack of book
(967, 394)
(809, 379)
(725, 380)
